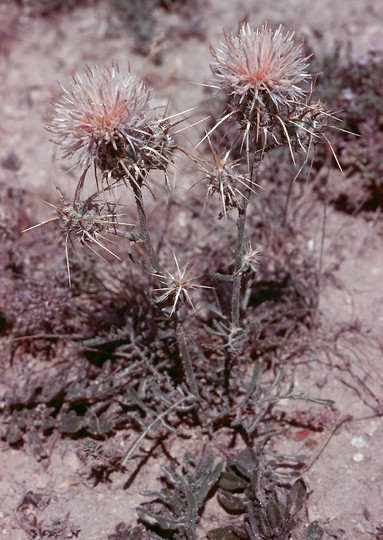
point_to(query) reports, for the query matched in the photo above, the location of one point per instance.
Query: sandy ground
(346, 480)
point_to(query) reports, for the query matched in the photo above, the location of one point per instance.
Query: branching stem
(154, 261)
(160, 418)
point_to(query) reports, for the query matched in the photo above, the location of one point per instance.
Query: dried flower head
(225, 180)
(260, 66)
(107, 119)
(303, 127)
(307, 123)
(87, 222)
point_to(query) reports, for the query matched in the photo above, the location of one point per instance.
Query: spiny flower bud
(307, 123)
(224, 180)
(82, 219)
(87, 221)
(157, 151)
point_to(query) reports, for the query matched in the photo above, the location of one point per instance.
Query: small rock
(358, 457)
(358, 442)
(11, 161)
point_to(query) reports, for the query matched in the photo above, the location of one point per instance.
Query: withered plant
(354, 87)
(140, 17)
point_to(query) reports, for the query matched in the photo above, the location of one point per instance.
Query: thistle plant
(108, 122)
(187, 320)
(109, 125)
(264, 76)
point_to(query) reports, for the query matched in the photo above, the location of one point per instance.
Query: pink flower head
(262, 65)
(101, 112)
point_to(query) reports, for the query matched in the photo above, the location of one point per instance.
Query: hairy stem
(150, 251)
(239, 251)
(186, 360)
(237, 277)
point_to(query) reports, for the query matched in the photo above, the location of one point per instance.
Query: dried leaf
(71, 423)
(232, 504)
(297, 496)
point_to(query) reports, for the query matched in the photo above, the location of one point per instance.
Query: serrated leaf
(99, 426)
(179, 504)
(274, 514)
(164, 522)
(209, 478)
(54, 386)
(171, 475)
(215, 475)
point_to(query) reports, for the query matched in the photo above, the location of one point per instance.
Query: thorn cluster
(178, 285)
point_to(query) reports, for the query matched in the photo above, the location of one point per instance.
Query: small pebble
(358, 442)
(11, 161)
